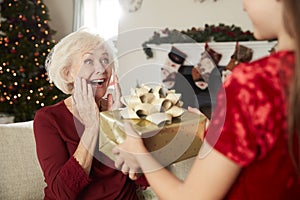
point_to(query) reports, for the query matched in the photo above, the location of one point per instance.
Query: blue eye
(104, 61)
(88, 61)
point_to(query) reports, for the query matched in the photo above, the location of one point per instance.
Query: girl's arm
(210, 177)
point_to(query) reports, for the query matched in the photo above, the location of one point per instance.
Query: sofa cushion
(20, 173)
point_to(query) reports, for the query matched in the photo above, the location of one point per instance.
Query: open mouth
(97, 82)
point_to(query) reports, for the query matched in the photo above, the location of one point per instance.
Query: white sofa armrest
(20, 174)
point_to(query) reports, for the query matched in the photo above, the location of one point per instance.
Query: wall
(154, 15)
(61, 16)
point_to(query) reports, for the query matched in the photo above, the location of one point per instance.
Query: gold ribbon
(155, 104)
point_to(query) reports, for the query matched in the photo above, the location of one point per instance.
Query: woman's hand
(84, 103)
(115, 103)
(87, 110)
(128, 153)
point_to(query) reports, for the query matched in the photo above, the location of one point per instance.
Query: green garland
(219, 33)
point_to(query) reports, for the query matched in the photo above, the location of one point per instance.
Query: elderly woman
(66, 133)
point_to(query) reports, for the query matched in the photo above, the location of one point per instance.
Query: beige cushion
(20, 173)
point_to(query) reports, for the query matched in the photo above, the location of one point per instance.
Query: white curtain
(100, 15)
(78, 14)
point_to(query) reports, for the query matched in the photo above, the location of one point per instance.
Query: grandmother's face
(96, 67)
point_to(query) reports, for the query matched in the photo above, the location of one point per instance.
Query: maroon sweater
(57, 138)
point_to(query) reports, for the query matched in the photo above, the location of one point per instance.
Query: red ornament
(24, 18)
(10, 87)
(2, 99)
(36, 54)
(6, 40)
(13, 51)
(20, 35)
(22, 70)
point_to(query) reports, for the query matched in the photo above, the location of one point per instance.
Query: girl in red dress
(251, 146)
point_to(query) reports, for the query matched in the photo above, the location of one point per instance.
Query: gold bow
(155, 104)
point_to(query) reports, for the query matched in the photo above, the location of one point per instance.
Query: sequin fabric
(249, 125)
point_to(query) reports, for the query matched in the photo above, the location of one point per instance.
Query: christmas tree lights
(25, 41)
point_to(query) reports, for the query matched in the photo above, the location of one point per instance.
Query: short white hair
(61, 56)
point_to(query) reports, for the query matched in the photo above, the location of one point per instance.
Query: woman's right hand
(84, 102)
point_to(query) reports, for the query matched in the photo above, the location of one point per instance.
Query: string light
(16, 69)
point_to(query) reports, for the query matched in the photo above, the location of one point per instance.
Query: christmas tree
(25, 41)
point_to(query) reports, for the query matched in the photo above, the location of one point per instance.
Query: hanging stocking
(241, 54)
(208, 62)
(173, 62)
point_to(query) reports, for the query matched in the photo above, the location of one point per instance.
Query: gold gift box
(169, 143)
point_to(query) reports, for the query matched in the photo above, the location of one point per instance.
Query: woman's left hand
(112, 102)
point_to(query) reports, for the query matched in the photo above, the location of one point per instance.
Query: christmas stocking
(241, 54)
(202, 71)
(173, 62)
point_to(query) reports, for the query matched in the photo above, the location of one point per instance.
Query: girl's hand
(128, 153)
(194, 110)
(84, 103)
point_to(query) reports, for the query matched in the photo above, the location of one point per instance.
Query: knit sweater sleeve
(64, 177)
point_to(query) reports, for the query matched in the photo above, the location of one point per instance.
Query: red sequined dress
(249, 127)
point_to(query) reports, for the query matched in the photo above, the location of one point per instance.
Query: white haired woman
(66, 133)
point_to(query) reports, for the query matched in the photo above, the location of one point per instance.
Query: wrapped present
(169, 143)
(169, 132)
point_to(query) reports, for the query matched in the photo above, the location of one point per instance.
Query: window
(101, 16)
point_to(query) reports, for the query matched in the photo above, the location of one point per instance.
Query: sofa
(20, 174)
(21, 177)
